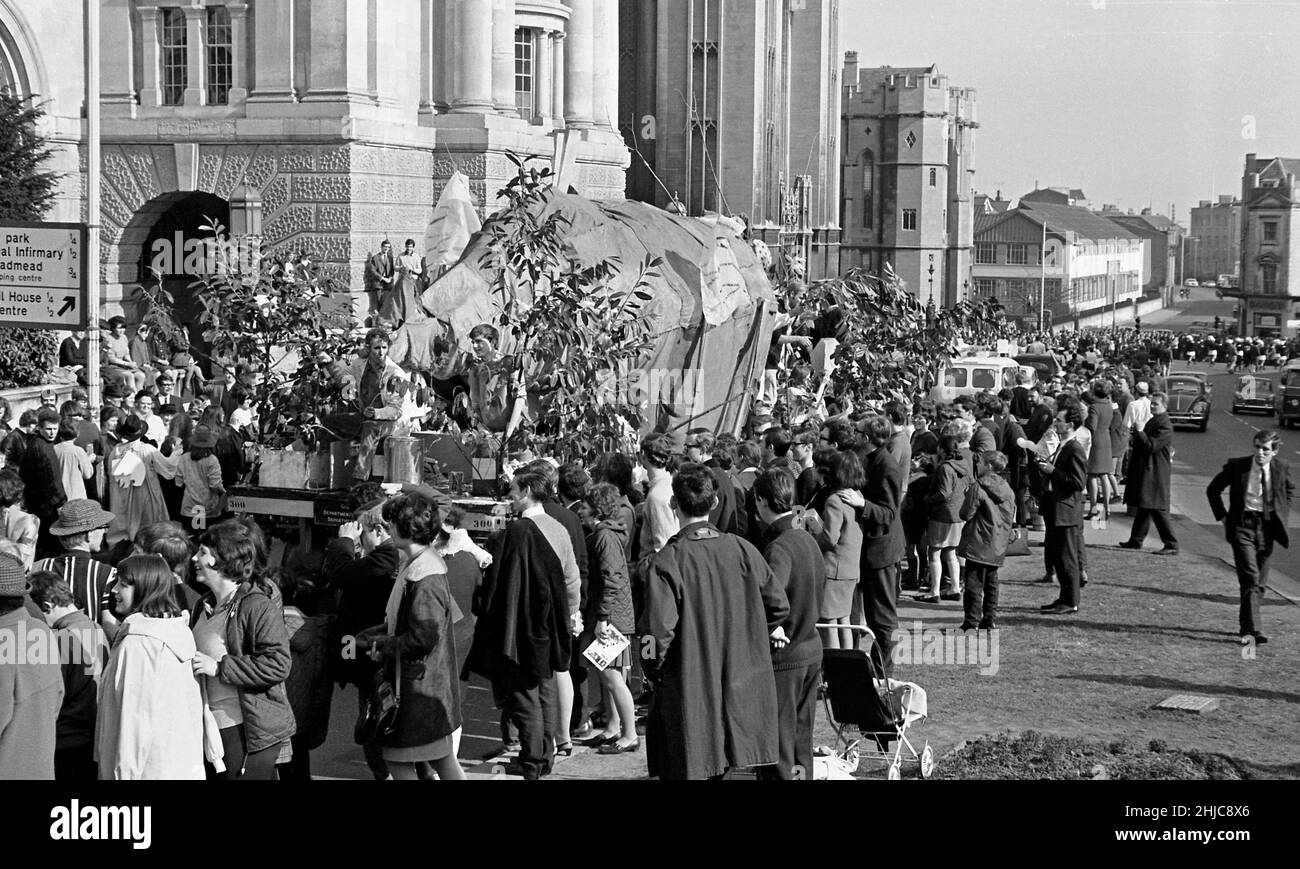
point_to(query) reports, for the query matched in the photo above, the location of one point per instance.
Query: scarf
(425, 563)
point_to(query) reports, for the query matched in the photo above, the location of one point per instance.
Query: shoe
(927, 598)
(1061, 609)
(584, 735)
(1083, 583)
(988, 626)
(596, 740)
(1048, 606)
(952, 595)
(615, 748)
(565, 749)
(1168, 550)
(1260, 639)
(1131, 544)
(967, 626)
(1047, 577)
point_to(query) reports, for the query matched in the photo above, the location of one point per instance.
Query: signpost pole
(91, 264)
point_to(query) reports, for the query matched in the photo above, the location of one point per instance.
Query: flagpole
(1042, 280)
(91, 265)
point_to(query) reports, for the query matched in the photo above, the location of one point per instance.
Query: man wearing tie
(1259, 499)
(1063, 481)
(380, 272)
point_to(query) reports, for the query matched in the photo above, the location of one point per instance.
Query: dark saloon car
(1189, 399)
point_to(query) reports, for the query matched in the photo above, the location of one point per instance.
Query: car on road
(1254, 395)
(1213, 285)
(1287, 400)
(1191, 282)
(1189, 399)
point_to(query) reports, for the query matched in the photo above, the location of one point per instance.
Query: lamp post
(931, 271)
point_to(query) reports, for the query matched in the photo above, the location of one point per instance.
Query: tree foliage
(891, 344)
(279, 323)
(574, 333)
(26, 355)
(26, 192)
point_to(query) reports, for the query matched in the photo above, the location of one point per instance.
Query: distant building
(731, 105)
(1270, 246)
(1090, 262)
(909, 146)
(1162, 244)
(1072, 196)
(1214, 239)
(985, 204)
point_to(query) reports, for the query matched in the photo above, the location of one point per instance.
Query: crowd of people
(212, 644)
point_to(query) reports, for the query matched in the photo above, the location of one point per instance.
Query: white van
(975, 374)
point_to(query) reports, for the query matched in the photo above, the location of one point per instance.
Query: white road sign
(43, 275)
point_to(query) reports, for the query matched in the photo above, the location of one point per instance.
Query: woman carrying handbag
(416, 641)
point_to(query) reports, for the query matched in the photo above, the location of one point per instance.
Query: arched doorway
(174, 252)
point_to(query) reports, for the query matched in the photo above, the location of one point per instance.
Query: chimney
(851, 68)
(1225, 200)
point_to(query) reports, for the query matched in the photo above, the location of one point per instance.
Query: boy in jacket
(989, 512)
(799, 571)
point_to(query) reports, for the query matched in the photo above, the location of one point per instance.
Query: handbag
(378, 718)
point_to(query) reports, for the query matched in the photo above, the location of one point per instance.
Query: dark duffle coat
(1151, 465)
(711, 602)
(423, 638)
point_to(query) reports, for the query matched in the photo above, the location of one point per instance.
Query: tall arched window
(934, 177)
(868, 162)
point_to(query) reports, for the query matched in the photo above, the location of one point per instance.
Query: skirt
(837, 598)
(436, 750)
(944, 535)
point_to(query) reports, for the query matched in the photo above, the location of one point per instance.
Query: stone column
(578, 68)
(503, 56)
(117, 67)
(238, 52)
(273, 57)
(605, 65)
(544, 75)
(196, 28)
(557, 78)
(430, 60)
(151, 86)
(472, 80)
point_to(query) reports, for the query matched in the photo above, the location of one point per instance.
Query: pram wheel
(927, 761)
(895, 772)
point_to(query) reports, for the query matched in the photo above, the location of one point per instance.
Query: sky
(1137, 102)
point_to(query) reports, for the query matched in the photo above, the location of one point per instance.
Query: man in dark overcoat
(1063, 481)
(1150, 469)
(712, 610)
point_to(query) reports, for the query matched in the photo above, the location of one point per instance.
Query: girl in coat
(150, 717)
(416, 643)
(1100, 463)
(200, 474)
(840, 538)
(609, 602)
(943, 507)
(243, 653)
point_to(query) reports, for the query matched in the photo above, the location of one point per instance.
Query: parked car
(1191, 282)
(1189, 399)
(1212, 284)
(1254, 395)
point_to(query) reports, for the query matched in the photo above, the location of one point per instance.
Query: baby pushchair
(858, 696)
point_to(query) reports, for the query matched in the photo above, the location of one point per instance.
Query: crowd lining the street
(213, 643)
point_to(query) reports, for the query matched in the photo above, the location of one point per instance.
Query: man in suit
(1259, 499)
(380, 274)
(699, 449)
(1063, 481)
(1149, 474)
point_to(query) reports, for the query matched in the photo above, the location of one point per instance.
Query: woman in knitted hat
(134, 494)
(200, 474)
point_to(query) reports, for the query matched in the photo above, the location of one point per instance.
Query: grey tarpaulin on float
(712, 311)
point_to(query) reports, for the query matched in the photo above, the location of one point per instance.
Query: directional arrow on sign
(69, 304)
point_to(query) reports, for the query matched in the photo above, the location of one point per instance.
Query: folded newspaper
(606, 648)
